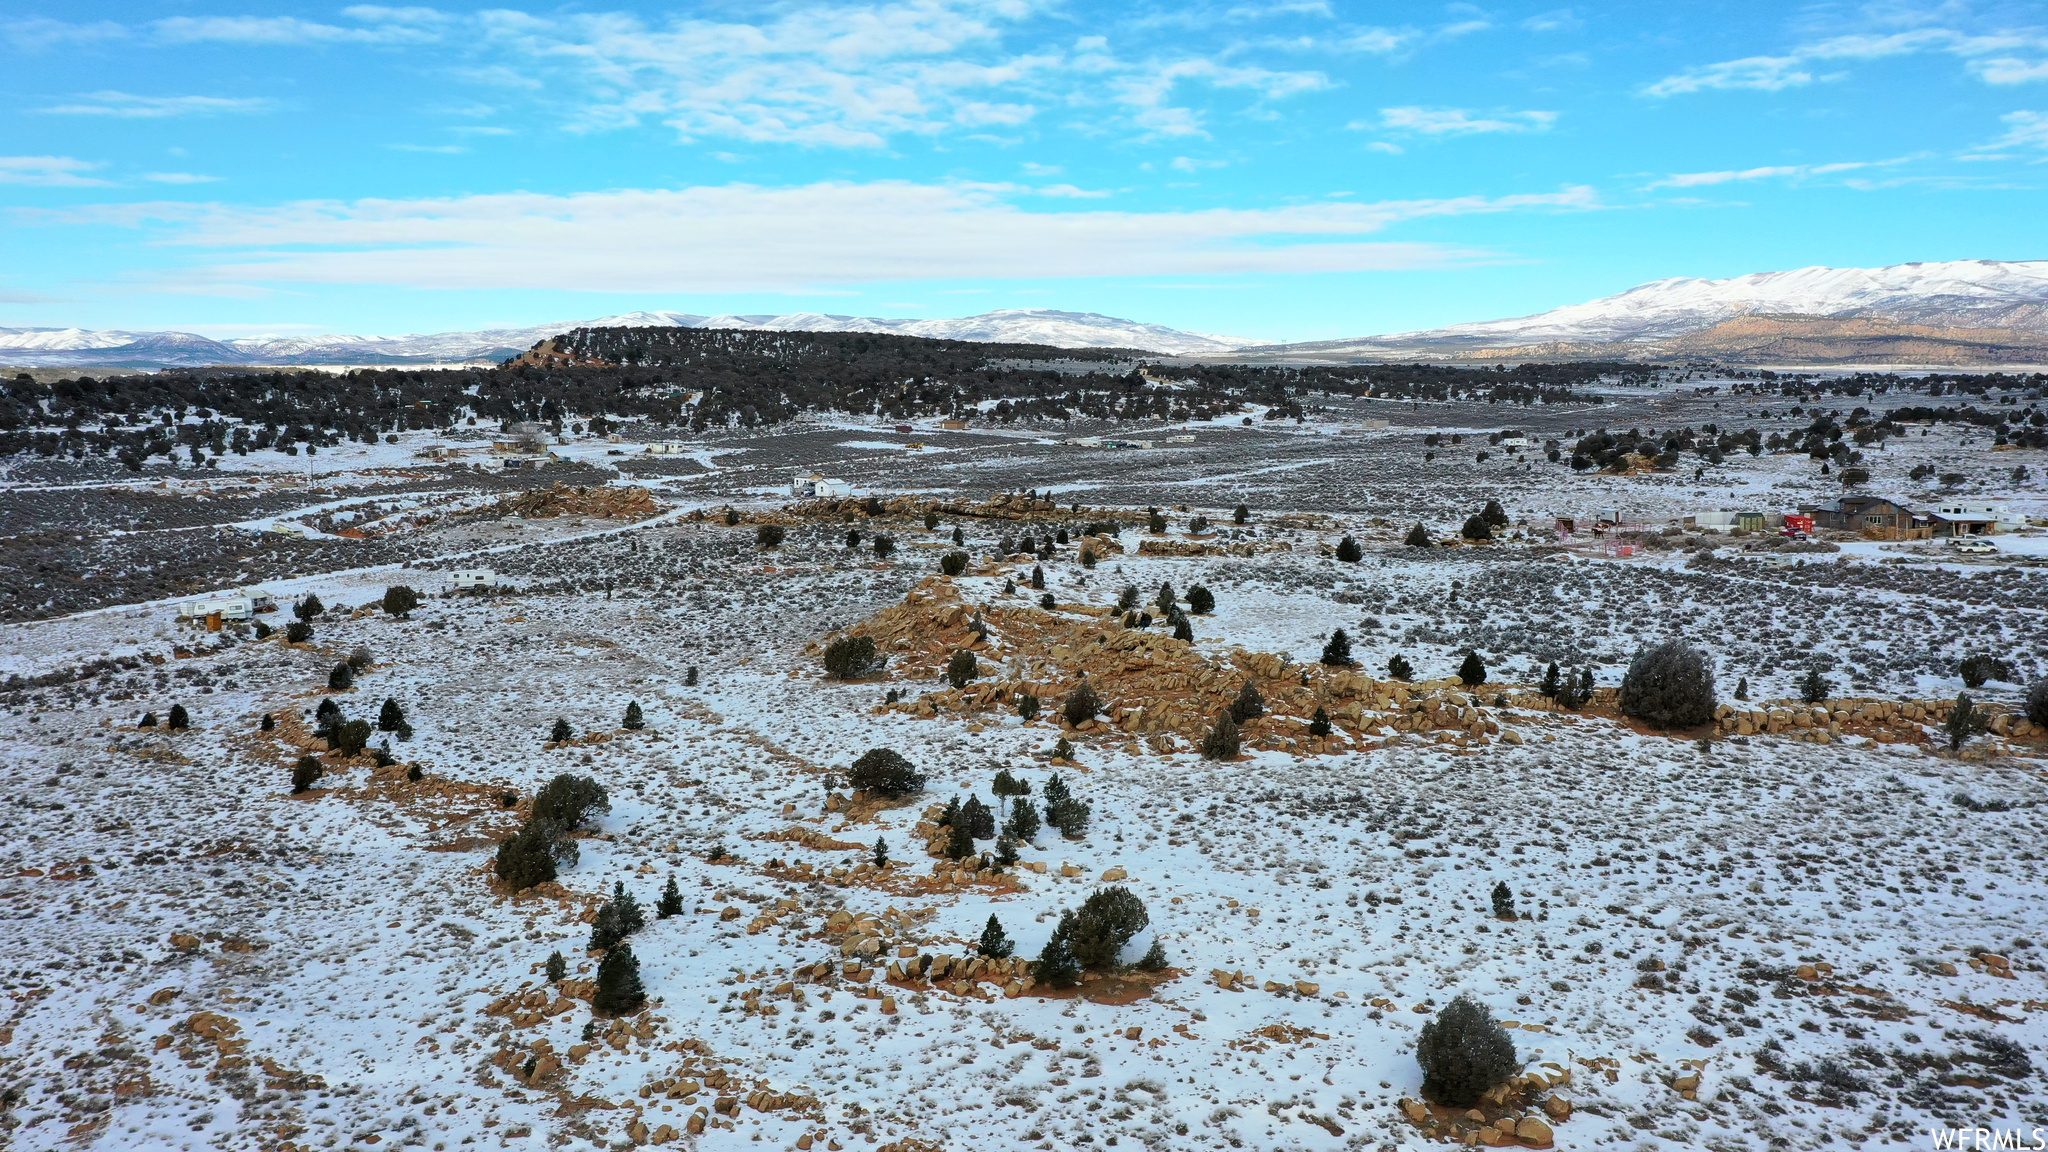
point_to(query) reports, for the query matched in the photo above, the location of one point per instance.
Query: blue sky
(1294, 170)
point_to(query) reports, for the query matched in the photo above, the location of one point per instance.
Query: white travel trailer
(475, 578)
(236, 607)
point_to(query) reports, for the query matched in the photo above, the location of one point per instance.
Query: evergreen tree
(1476, 528)
(1249, 703)
(1319, 724)
(885, 547)
(631, 918)
(527, 857)
(1418, 537)
(1047, 602)
(1155, 957)
(1669, 686)
(1201, 601)
(1063, 749)
(1070, 816)
(1006, 786)
(951, 815)
(605, 931)
(400, 600)
(308, 608)
(1965, 720)
(853, 538)
(298, 632)
(1494, 514)
(1464, 1053)
(1742, 688)
(953, 563)
(1006, 851)
(305, 773)
(962, 669)
(884, 772)
(959, 843)
(1155, 523)
(981, 823)
(571, 801)
(1027, 706)
(1087, 557)
(1182, 630)
(634, 721)
(1037, 578)
(1221, 742)
(671, 902)
(1165, 600)
(1106, 921)
(557, 967)
(881, 857)
(1473, 671)
(1348, 551)
(1240, 514)
(1398, 667)
(1814, 687)
(931, 521)
(1337, 653)
(561, 731)
(179, 718)
(618, 983)
(1081, 704)
(1055, 790)
(1056, 964)
(1549, 685)
(351, 737)
(994, 944)
(1022, 826)
(391, 717)
(852, 657)
(342, 678)
(269, 723)
(1503, 901)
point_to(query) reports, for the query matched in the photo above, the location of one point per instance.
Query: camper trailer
(475, 578)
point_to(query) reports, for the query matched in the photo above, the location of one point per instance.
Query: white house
(235, 607)
(667, 448)
(833, 487)
(818, 485)
(475, 578)
(1514, 441)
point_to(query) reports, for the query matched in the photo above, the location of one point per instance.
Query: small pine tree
(391, 717)
(634, 721)
(1005, 786)
(1201, 601)
(1814, 687)
(1081, 705)
(1965, 720)
(1473, 671)
(1348, 551)
(1476, 528)
(1221, 742)
(298, 632)
(962, 669)
(994, 944)
(852, 657)
(881, 856)
(2037, 703)
(305, 773)
(1165, 600)
(1056, 964)
(1027, 706)
(1742, 688)
(1070, 816)
(561, 731)
(690, 676)
(853, 538)
(1337, 653)
(671, 902)
(1182, 630)
(1503, 901)
(1063, 749)
(959, 843)
(1319, 724)
(618, 983)
(605, 931)
(1087, 557)
(1398, 667)
(885, 547)
(931, 521)
(1240, 514)
(1155, 957)
(342, 678)
(557, 967)
(1155, 523)
(1022, 826)
(884, 772)
(1549, 686)
(179, 718)
(1037, 578)
(1494, 514)
(953, 563)
(1249, 703)
(350, 737)
(269, 723)
(951, 815)
(980, 821)
(631, 918)
(308, 608)
(1418, 537)
(527, 857)
(959, 537)
(400, 600)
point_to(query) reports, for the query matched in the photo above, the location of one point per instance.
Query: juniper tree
(770, 536)
(631, 918)
(1022, 826)
(297, 632)
(1398, 667)
(1201, 601)
(1056, 965)
(1060, 537)
(1348, 551)
(1165, 599)
(1081, 704)
(1240, 514)
(1814, 687)
(931, 521)
(1037, 577)
(557, 968)
(953, 563)
(179, 719)
(1473, 671)
(2037, 703)
(1047, 602)
(980, 821)
(391, 717)
(1249, 703)
(1337, 652)
(962, 669)
(1155, 523)
(1221, 741)
(959, 842)
(671, 902)
(1418, 537)
(1503, 901)
(1494, 514)
(1055, 790)
(1182, 630)
(1063, 749)
(885, 547)
(1549, 685)
(309, 607)
(618, 983)
(1128, 598)
(634, 720)
(1319, 724)
(561, 731)
(1669, 686)
(359, 659)
(526, 858)
(1198, 525)
(950, 817)
(400, 600)
(1464, 1053)
(1742, 688)
(1070, 815)
(305, 773)
(350, 737)
(342, 678)
(1006, 851)
(1087, 557)
(1007, 786)
(993, 943)
(881, 856)
(853, 538)
(1965, 720)
(605, 931)
(690, 676)
(571, 800)
(1155, 957)
(852, 657)
(1027, 706)
(1105, 922)
(1476, 528)
(269, 723)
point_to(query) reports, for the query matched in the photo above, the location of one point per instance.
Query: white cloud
(1703, 179)
(2024, 130)
(1772, 73)
(748, 238)
(128, 106)
(1190, 164)
(1555, 20)
(279, 31)
(46, 33)
(48, 171)
(1384, 146)
(178, 178)
(1458, 122)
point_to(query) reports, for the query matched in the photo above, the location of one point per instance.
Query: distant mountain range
(1972, 312)
(1961, 313)
(77, 347)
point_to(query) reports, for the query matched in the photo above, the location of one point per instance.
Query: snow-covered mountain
(1970, 294)
(77, 347)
